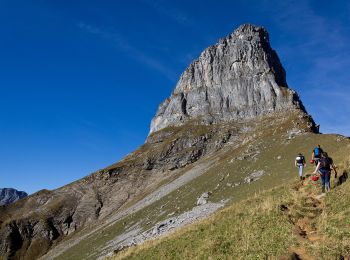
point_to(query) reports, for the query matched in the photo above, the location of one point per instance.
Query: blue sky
(81, 80)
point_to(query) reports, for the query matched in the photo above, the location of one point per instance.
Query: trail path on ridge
(303, 213)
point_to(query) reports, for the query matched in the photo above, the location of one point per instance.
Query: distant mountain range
(9, 195)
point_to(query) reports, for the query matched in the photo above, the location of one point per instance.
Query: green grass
(252, 229)
(335, 221)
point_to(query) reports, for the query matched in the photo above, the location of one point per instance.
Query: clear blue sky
(81, 80)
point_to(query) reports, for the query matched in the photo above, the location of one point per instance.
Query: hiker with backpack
(316, 154)
(324, 168)
(300, 163)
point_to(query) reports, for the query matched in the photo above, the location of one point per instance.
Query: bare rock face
(9, 195)
(239, 77)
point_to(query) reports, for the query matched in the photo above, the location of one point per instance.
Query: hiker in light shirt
(300, 163)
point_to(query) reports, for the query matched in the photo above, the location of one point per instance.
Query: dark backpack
(325, 163)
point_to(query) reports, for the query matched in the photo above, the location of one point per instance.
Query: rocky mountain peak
(9, 195)
(247, 30)
(240, 77)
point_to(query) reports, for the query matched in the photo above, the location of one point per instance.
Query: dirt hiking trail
(303, 212)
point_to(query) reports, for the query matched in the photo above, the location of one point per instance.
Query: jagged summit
(239, 77)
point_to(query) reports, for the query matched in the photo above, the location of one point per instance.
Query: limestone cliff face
(239, 77)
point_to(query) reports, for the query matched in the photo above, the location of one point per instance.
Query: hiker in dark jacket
(300, 163)
(324, 168)
(316, 154)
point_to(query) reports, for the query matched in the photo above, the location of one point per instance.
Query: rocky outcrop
(239, 77)
(203, 199)
(30, 226)
(9, 195)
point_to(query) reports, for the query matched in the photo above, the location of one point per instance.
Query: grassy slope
(271, 143)
(335, 221)
(257, 228)
(252, 228)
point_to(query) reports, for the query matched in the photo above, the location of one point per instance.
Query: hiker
(300, 163)
(318, 128)
(316, 154)
(324, 169)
